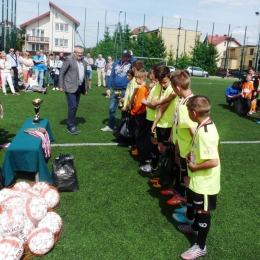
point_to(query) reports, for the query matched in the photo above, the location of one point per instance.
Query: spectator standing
(6, 66)
(118, 79)
(13, 59)
(108, 68)
(90, 63)
(73, 81)
(50, 74)
(27, 64)
(57, 64)
(38, 61)
(62, 58)
(101, 64)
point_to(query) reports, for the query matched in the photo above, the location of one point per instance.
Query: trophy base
(36, 120)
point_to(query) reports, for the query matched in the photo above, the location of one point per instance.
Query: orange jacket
(250, 87)
(139, 108)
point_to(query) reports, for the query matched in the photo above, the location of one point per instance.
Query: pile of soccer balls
(28, 224)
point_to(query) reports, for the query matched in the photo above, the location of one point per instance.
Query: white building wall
(48, 24)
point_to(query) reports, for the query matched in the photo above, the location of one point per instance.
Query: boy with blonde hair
(204, 174)
(139, 113)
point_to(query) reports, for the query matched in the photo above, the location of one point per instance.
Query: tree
(184, 61)
(20, 39)
(170, 57)
(205, 56)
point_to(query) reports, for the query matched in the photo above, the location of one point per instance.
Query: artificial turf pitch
(116, 214)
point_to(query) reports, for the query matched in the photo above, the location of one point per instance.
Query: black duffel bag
(242, 105)
(64, 173)
(125, 128)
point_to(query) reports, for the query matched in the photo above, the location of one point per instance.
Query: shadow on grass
(5, 137)
(230, 108)
(167, 210)
(78, 120)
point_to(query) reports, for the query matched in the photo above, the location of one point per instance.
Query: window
(250, 63)
(36, 47)
(38, 32)
(62, 27)
(61, 42)
(56, 13)
(251, 51)
(225, 43)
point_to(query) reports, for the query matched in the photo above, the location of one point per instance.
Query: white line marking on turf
(122, 144)
(87, 144)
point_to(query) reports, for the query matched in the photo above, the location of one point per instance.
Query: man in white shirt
(13, 59)
(90, 62)
(101, 64)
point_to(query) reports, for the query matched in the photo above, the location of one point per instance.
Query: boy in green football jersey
(185, 127)
(204, 174)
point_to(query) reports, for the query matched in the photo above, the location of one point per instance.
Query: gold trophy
(37, 104)
(118, 94)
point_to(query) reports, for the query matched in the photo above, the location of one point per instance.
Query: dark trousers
(56, 81)
(143, 139)
(15, 70)
(73, 102)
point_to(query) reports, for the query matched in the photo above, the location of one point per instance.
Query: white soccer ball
(14, 202)
(52, 221)
(52, 197)
(41, 186)
(11, 248)
(36, 209)
(26, 231)
(21, 186)
(41, 241)
(5, 193)
(30, 192)
(11, 222)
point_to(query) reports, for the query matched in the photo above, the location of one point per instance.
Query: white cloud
(211, 2)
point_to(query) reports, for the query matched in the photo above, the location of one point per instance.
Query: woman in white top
(6, 74)
(56, 67)
(27, 64)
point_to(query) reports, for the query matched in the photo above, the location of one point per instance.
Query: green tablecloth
(25, 153)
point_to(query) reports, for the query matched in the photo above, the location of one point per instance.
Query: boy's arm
(192, 131)
(159, 115)
(133, 97)
(157, 102)
(211, 163)
(145, 102)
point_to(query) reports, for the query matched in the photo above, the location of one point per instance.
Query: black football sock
(190, 209)
(203, 229)
(155, 156)
(194, 226)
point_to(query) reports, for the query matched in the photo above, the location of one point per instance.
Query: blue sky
(167, 12)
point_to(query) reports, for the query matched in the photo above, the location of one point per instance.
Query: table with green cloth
(25, 153)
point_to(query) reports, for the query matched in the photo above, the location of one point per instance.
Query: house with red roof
(53, 32)
(224, 44)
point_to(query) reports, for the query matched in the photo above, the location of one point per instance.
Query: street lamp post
(257, 44)
(230, 39)
(118, 25)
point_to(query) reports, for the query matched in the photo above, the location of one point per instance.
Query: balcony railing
(37, 39)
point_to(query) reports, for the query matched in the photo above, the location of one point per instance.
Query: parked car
(196, 71)
(238, 73)
(172, 69)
